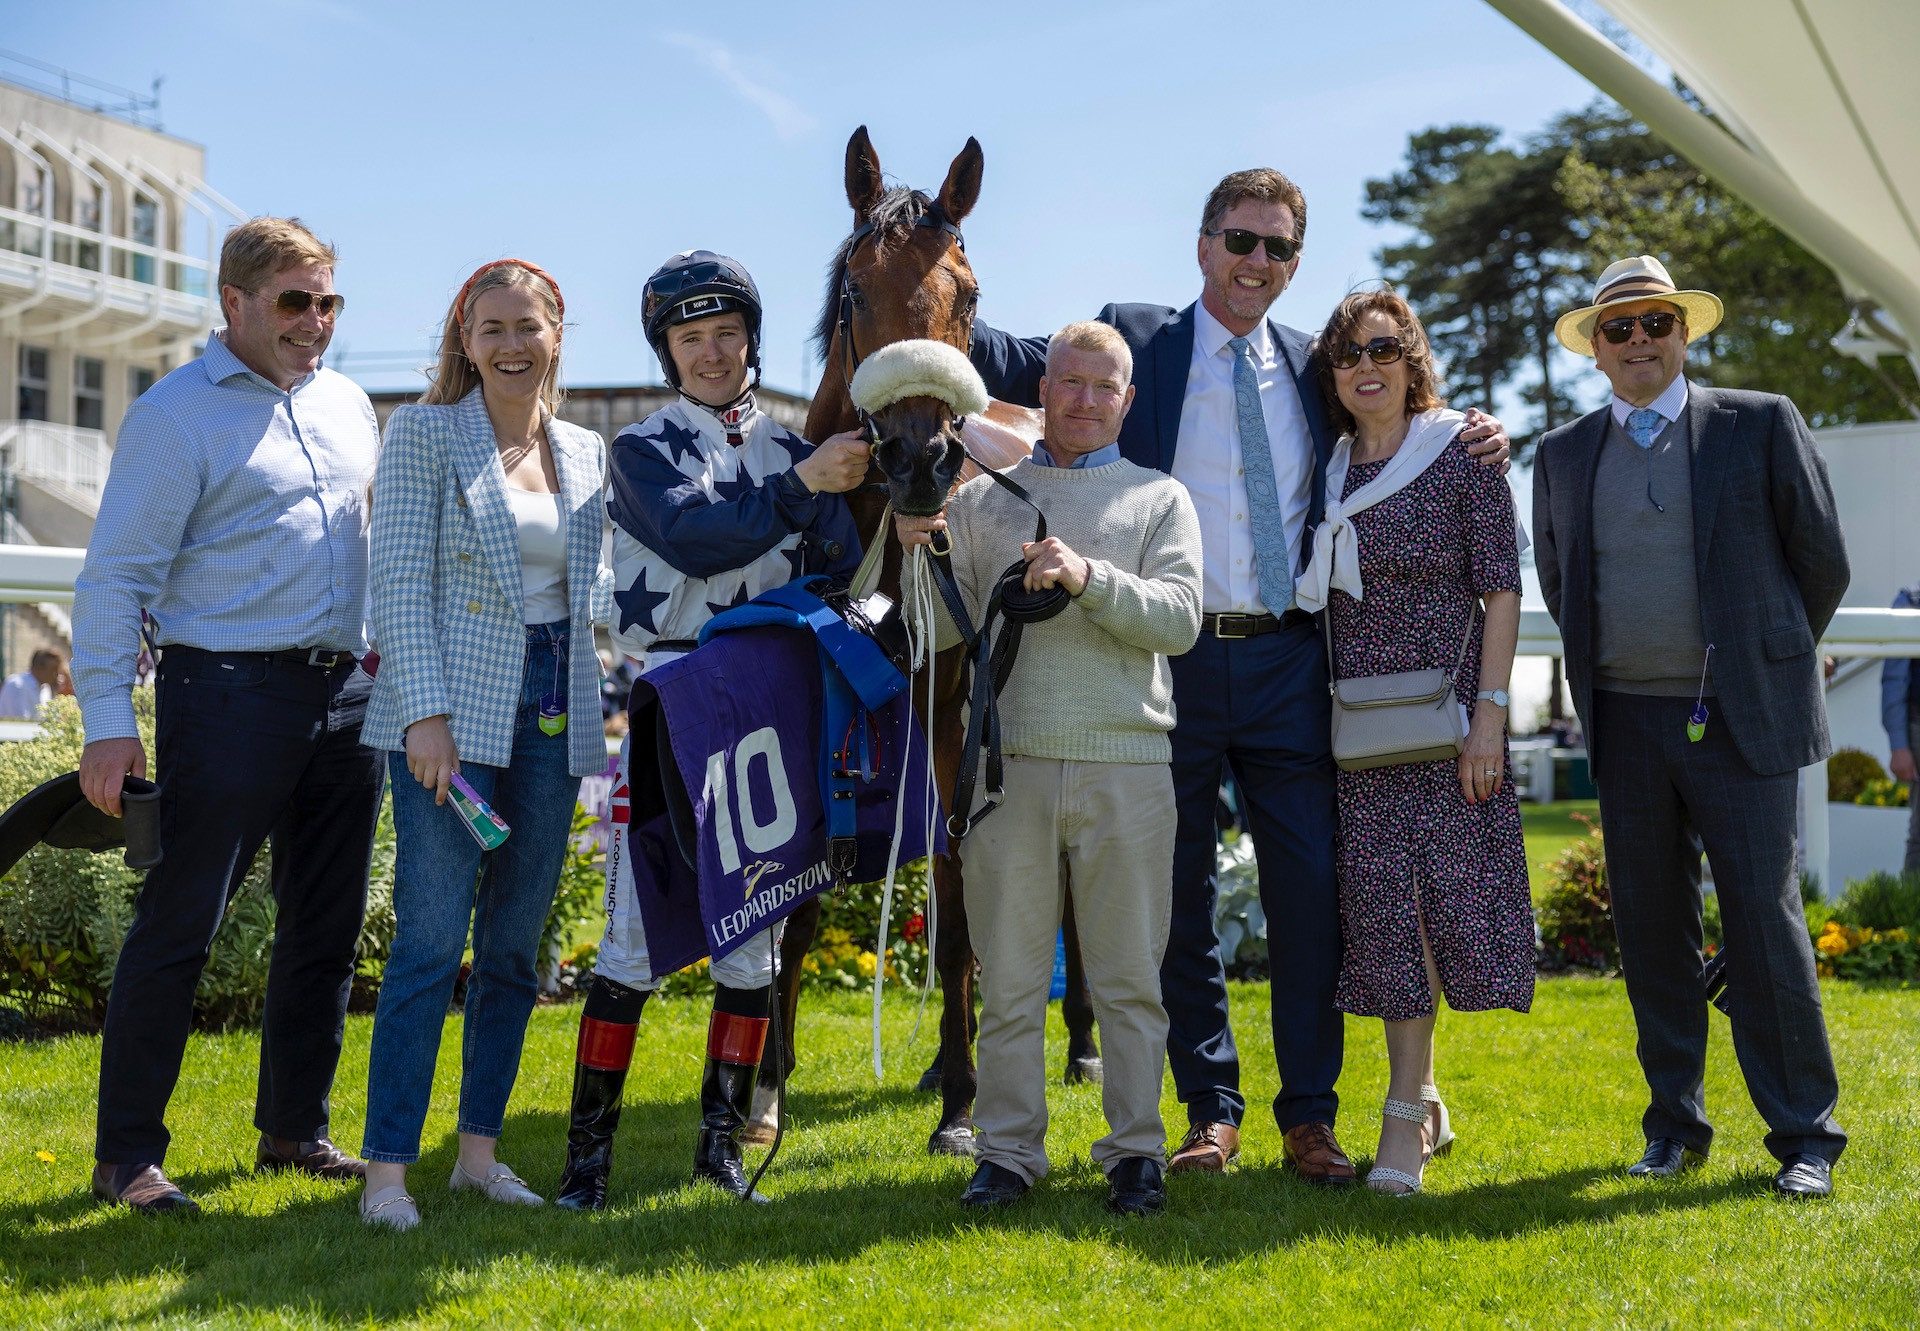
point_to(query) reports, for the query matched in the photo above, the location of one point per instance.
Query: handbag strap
(1466, 641)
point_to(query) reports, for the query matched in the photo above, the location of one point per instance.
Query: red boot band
(606, 1046)
(736, 1040)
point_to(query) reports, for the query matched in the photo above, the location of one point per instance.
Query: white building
(109, 241)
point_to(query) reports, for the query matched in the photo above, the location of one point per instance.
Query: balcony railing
(115, 256)
(64, 458)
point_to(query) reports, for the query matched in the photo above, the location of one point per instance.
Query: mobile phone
(488, 828)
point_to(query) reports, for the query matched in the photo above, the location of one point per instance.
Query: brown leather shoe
(1313, 1154)
(142, 1188)
(320, 1158)
(1207, 1148)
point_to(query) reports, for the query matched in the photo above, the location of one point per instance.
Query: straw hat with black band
(1629, 280)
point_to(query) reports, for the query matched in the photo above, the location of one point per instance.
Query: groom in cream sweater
(1084, 721)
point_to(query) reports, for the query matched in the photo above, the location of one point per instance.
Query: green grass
(1550, 829)
(1530, 1222)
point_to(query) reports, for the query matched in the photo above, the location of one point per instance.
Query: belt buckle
(326, 660)
(1244, 622)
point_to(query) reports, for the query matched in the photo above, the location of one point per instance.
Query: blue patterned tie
(1271, 560)
(1644, 425)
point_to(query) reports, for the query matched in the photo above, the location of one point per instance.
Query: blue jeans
(441, 881)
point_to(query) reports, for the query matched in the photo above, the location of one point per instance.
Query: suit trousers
(1912, 862)
(1110, 826)
(1259, 706)
(247, 746)
(1662, 799)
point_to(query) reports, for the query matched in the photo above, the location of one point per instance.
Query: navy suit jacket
(1161, 340)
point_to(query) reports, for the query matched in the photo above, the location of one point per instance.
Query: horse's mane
(899, 207)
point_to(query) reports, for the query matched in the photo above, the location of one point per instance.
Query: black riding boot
(736, 1036)
(601, 1060)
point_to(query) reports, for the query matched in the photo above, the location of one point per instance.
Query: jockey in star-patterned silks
(712, 504)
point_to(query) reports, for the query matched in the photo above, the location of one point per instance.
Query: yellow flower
(45, 1157)
(867, 963)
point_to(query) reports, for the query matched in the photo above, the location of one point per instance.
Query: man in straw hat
(1689, 548)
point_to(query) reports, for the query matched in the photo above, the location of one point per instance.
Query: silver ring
(1489, 772)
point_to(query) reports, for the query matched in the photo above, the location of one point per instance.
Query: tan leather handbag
(1411, 716)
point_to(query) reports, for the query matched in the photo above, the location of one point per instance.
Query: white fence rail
(62, 457)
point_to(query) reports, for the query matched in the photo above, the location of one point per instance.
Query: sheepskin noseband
(919, 367)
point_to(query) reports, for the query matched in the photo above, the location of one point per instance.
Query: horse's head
(902, 274)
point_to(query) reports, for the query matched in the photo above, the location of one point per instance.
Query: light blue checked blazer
(444, 584)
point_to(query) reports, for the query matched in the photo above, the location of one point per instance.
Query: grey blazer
(1768, 552)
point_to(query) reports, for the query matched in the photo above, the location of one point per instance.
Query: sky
(424, 138)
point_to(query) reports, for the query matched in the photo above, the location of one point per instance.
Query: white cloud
(751, 80)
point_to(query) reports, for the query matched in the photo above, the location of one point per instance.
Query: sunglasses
(1281, 249)
(1381, 351)
(1658, 324)
(292, 302)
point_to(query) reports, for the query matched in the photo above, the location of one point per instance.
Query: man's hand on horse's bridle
(836, 466)
(1486, 439)
(1052, 563)
(918, 531)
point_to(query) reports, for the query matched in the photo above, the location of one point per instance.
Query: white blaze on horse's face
(1086, 396)
(1239, 288)
(710, 356)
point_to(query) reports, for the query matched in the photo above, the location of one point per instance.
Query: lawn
(1550, 829)
(1529, 1221)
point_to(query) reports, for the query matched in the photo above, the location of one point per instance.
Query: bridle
(934, 218)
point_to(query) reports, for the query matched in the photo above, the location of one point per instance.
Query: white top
(1671, 402)
(543, 554)
(23, 695)
(1207, 460)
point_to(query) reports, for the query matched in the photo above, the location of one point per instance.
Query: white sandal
(500, 1185)
(389, 1208)
(1409, 1183)
(1443, 1131)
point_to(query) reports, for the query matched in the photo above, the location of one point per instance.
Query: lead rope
(917, 613)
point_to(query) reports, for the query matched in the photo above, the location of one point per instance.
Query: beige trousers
(1113, 823)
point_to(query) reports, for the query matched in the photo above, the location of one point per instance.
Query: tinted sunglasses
(291, 302)
(1280, 249)
(1381, 351)
(1658, 324)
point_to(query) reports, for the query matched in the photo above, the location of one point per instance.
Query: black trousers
(1662, 798)
(247, 747)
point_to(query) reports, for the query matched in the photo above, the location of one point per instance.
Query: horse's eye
(857, 296)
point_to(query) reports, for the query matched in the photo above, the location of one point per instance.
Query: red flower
(915, 926)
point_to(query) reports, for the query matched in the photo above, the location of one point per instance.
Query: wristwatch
(1498, 697)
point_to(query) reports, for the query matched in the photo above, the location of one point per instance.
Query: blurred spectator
(1899, 713)
(24, 694)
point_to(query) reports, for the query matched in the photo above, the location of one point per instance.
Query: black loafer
(319, 1158)
(994, 1185)
(1137, 1186)
(1804, 1177)
(1665, 1157)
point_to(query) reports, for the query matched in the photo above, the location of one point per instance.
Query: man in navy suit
(1214, 378)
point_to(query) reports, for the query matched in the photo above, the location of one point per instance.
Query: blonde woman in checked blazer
(485, 584)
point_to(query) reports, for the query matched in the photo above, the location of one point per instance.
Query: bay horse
(903, 273)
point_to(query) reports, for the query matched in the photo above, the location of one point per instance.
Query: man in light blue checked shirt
(1900, 715)
(235, 514)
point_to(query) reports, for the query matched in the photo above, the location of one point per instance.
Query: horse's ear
(962, 189)
(863, 174)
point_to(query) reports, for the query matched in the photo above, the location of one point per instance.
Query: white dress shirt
(1207, 460)
(1671, 402)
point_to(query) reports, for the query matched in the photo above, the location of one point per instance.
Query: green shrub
(1239, 918)
(1881, 901)
(1575, 914)
(1848, 772)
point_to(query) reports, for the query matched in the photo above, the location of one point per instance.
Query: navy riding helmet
(697, 284)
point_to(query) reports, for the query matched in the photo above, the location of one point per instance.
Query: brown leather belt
(1228, 627)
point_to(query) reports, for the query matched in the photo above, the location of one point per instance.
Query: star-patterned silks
(734, 490)
(739, 599)
(793, 445)
(637, 604)
(680, 441)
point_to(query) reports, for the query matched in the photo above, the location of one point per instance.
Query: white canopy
(1823, 101)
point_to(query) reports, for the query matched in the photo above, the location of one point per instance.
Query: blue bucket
(1058, 990)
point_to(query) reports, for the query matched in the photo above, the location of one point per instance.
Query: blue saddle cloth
(740, 752)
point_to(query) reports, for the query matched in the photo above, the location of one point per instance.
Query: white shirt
(23, 695)
(1671, 402)
(541, 524)
(1207, 460)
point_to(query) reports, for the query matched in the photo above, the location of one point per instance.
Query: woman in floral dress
(1432, 868)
